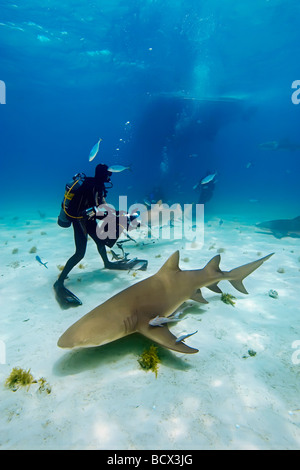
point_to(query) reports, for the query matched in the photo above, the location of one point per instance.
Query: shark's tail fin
(236, 276)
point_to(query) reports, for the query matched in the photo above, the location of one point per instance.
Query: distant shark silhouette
(284, 144)
(132, 309)
(160, 214)
(282, 227)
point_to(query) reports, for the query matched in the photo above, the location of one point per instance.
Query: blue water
(190, 87)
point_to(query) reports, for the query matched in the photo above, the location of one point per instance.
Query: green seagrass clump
(23, 378)
(44, 386)
(19, 378)
(251, 353)
(228, 299)
(149, 359)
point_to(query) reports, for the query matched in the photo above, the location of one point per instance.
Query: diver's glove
(94, 213)
(100, 214)
(131, 217)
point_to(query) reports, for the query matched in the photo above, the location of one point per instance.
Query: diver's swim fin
(126, 265)
(64, 297)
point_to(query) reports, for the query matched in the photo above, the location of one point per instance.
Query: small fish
(118, 168)
(180, 311)
(160, 321)
(208, 178)
(137, 266)
(94, 151)
(41, 262)
(129, 239)
(120, 242)
(116, 255)
(183, 337)
(175, 316)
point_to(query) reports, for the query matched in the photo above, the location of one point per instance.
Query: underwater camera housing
(92, 212)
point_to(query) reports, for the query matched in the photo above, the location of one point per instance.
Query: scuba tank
(64, 218)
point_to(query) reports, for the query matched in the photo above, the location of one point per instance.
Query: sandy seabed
(220, 398)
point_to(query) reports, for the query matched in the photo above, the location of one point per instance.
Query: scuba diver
(206, 192)
(205, 187)
(84, 203)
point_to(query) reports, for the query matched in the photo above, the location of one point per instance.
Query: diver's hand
(89, 213)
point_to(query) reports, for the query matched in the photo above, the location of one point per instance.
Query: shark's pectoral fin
(278, 234)
(197, 296)
(294, 234)
(165, 338)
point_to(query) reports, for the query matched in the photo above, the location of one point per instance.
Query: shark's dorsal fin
(172, 264)
(214, 263)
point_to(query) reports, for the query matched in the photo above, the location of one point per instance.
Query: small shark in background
(137, 308)
(280, 145)
(160, 214)
(282, 227)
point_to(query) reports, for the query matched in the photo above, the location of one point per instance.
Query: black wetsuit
(88, 195)
(206, 192)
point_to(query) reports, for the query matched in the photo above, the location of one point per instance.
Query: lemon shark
(282, 227)
(132, 309)
(284, 144)
(160, 214)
